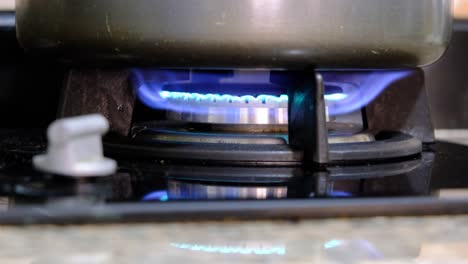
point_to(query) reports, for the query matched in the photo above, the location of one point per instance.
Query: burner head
(228, 109)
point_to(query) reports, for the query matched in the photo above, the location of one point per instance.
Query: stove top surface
(434, 182)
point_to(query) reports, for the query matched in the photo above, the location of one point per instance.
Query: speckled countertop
(368, 240)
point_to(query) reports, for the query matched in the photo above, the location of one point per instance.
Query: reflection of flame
(255, 249)
(358, 88)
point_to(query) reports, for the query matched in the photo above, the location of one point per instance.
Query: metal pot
(241, 33)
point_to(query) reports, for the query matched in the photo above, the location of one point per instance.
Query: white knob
(75, 148)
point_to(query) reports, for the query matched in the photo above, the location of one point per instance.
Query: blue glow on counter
(232, 249)
(333, 243)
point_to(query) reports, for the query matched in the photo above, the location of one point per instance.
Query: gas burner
(180, 132)
(228, 109)
(257, 149)
(264, 117)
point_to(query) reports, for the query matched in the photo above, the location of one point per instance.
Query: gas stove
(430, 183)
(224, 113)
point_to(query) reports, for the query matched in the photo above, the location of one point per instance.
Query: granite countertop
(7, 5)
(367, 240)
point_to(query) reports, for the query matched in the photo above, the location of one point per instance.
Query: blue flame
(359, 88)
(281, 250)
(335, 96)
(156, 196)
(340, 194)
(370, 84)
(217, 97)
